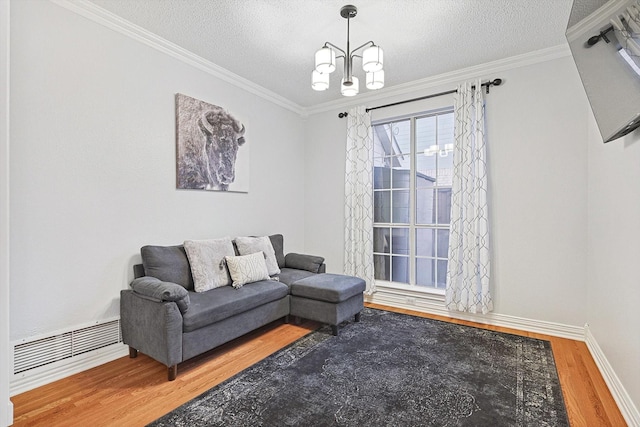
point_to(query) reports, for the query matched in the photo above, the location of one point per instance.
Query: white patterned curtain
(358, 198)
(467, 287)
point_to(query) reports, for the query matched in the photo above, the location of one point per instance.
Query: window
(412, 180)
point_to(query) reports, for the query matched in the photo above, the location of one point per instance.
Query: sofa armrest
(157, 290)
(310, 263)
(152, 327)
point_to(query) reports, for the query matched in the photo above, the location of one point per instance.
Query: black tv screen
(605, 45)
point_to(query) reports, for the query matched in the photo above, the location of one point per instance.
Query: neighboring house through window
(412, 198)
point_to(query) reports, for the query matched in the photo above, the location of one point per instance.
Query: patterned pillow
(247, 269)
(251, 245)
(207, 262)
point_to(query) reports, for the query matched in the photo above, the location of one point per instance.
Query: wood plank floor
(134, 392)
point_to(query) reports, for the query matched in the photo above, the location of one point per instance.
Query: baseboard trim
(9, 419)
(56, 371)
(434, 304)
(619, 393)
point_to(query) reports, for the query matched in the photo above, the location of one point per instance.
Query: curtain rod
(494, 82)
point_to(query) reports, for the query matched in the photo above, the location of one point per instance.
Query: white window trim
(405, 287)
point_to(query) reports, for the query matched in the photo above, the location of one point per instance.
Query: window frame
(412, 225)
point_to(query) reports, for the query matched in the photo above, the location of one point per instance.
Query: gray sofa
(163, 317)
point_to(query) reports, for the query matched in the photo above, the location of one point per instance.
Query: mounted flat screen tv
(604, 38)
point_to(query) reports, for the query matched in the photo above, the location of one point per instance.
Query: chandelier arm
(369, 43)
(335, 47)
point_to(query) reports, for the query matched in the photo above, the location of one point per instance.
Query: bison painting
(208, 141)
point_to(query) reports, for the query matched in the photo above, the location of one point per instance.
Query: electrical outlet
(411, 300)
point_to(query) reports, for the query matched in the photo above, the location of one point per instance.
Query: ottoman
(327, 298)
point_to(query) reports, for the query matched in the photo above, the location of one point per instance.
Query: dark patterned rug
(389, 370)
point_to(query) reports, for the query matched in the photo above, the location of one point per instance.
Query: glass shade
(325, 60)
(372, 59)
(319, 81)
(351, 90)
(375, 80)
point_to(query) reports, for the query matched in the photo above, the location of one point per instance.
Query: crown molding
(603, 13)
(450, 78)
(103, 17)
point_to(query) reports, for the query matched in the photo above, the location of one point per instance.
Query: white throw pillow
(247, 269)
(206, 258)
(251, 245)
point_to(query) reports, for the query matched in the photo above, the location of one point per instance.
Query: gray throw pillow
(207, 262)
(277, 241)
(167, 263)
(251, 245)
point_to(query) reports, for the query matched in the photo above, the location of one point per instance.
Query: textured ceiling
(272, 42)
(583, 8)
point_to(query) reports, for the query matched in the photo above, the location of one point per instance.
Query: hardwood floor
(134, 392)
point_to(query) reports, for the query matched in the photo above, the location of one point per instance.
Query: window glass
(381, 240)
(400, 206)
(400, 269)
(443, 243)
(425, 272)
(381, 265)
(425, 243)
(400, 241)
(413, 168)
(382, 206)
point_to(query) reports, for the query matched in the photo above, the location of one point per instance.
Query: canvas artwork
(212, 153)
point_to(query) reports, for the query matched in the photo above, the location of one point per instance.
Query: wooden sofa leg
(334, 329)
(286, 319)
(358, 316)
(133, 353)
(173, 372)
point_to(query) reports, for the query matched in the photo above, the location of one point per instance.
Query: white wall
(93, 166)
(6, 408)
(538, 175)
(613, 287)
(538, 155)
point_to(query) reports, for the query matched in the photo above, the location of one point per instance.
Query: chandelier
(326, 62)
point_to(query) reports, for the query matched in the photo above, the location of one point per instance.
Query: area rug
(389, 370)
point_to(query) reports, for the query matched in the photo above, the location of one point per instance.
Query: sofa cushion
(247, 269)
(277, 241)
(328, 287)
(290, 275)
(207, 262)
(251, 245)
(220, 303)
(310, 263)
(168, 264)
